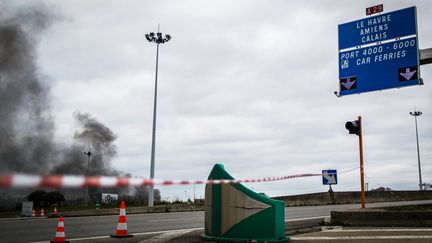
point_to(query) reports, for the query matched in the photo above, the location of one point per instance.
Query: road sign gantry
(379, 52)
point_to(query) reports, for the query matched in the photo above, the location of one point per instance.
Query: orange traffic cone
(33, 213)
(55, 210)
(42, 213)
(122, 231)
(60, 233)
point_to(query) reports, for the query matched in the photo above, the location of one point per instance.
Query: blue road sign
(379, 52)
(377, 28)
(329, 177)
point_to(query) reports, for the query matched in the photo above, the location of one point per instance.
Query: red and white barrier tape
(66, 181)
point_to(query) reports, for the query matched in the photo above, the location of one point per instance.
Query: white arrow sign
(408, 74)
(330, 178)
(348, 84)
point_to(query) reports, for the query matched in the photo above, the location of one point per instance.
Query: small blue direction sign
(379, 52)
(329, 177)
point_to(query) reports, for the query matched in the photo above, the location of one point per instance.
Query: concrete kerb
(381, 218)
(351, 197)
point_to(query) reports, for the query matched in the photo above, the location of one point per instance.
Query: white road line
(390, 237)
(90, 238)
(163, 220)
(383, 230)
(145, 233)
(299, 219)
(185, 212)
(165, 231)
(166, 237)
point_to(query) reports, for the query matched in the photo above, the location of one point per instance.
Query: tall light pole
(157, 38)
(89, 154)
(416, 114)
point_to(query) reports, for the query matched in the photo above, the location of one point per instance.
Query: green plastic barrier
(237, 214)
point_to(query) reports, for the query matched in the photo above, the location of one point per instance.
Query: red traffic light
(353, 127)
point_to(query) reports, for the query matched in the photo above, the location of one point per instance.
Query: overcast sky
(245, 83)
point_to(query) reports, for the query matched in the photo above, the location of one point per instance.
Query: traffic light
(353, 127)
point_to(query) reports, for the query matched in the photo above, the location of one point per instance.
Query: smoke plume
(27, 129)
(93, 137)
(26, 125)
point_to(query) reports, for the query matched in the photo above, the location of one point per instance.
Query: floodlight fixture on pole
(157, 38)
(416, 114)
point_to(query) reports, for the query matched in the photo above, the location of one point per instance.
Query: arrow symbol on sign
(408, 74)
(348, 84)
(330, 178)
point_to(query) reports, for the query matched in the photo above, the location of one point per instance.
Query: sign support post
(363, 194)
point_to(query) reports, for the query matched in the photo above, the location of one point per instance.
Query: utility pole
(158, 39)
(355, 127)
(89, 154)
(363, 194)
(416, 114)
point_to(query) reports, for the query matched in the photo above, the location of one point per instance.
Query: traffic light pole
(363, 194)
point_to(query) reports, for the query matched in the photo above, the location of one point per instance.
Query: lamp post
(158, 39)
(416, 114)
(89, 154)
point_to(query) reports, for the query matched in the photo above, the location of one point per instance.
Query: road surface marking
(166, 237)
(163, 220)
(383, 230)
(165, 231)
(390, 237)
(299, 219)
(145, 233)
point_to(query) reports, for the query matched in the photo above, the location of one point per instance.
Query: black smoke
(27, 129)
(26, 126)
(93, 137)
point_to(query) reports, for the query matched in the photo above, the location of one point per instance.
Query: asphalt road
(34, 230)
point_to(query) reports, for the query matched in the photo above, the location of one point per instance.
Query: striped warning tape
(66, 181)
